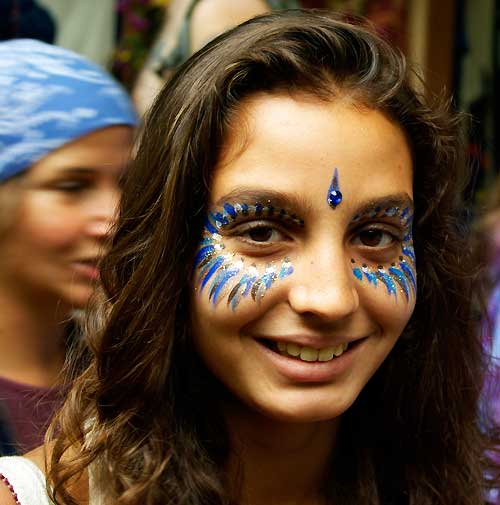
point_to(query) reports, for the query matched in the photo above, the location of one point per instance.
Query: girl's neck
(279, 463)
(31, 338)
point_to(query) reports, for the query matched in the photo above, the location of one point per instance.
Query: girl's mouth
(307, 353)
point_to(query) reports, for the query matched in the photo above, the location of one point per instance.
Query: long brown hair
(142, 413)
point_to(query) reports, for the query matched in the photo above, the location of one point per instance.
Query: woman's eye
(263, 234)
(374, 238)
(71, 186)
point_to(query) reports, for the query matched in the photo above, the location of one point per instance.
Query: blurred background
(454, 43)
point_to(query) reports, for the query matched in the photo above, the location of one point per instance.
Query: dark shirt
(25, 413)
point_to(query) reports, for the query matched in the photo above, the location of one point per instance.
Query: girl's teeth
(326, 354)
(338, 350)
(293, 349)
(309, 354)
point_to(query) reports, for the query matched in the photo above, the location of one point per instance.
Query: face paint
(397, 276)
(334, 196)
(223, 274)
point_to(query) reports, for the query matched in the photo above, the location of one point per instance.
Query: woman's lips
(88, 269)
(301, 370)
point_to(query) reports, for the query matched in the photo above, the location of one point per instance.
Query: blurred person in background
(188, 26)
(489, 245)
(66, 129)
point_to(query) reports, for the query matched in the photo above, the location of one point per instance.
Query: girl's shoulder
(23, 481)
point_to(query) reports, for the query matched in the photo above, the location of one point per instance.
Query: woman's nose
(102, 213)
(324, 286)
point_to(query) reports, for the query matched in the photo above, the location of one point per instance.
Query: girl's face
(62, 210)
(305, 274)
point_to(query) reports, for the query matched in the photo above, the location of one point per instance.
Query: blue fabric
(50, 96)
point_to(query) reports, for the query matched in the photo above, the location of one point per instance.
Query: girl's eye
(374, 238)
(262, 234)
(71, 186)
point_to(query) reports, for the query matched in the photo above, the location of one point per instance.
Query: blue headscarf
(50, 96)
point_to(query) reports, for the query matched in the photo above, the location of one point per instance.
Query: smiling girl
(65, 136)
(289, 292)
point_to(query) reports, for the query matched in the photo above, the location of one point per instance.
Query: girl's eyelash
(394, 229)
(397, 237)
(241, 231)
(252, 225)
(71, 184)
(243, 226)
(233, 214)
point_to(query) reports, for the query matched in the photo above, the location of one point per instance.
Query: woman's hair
(144, 412)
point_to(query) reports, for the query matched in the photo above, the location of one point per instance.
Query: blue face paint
(357, 273)
(400, 276)
(334, 196)
(401, 279)
(386, 279)
(370, 276)
(221, 273)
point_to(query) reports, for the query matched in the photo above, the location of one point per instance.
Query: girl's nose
(324, 286)
(102, 214)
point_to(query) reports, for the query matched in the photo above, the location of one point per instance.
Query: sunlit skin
(284, 411)
(290, 148)
(59, 218)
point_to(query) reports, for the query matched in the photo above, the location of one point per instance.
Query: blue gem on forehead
(334, 195)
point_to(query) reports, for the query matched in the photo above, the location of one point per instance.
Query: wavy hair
(141, 416)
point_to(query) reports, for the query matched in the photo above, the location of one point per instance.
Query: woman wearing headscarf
(65, 135)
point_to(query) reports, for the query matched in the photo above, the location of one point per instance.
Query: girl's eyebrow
(78, 170)
(289, 201)
(297, 204)
(375, 205)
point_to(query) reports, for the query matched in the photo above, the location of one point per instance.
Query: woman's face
(305, 274)
(61, 212)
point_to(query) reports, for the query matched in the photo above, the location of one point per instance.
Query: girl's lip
(297, 370)
(87, 269)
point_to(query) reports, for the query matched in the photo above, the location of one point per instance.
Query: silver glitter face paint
(224, 275)
(398, 276)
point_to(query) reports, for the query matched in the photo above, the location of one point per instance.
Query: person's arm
(213, 17)
(6, 497)
(78, 489)
(208, 19)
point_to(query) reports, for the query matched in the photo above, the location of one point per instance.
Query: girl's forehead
(294, 148)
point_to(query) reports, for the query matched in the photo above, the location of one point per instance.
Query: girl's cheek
(387, 291)
(228, 282)
(395, 281)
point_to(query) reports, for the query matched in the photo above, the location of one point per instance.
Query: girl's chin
(77, 298)
(296, 418)
(300, 411)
